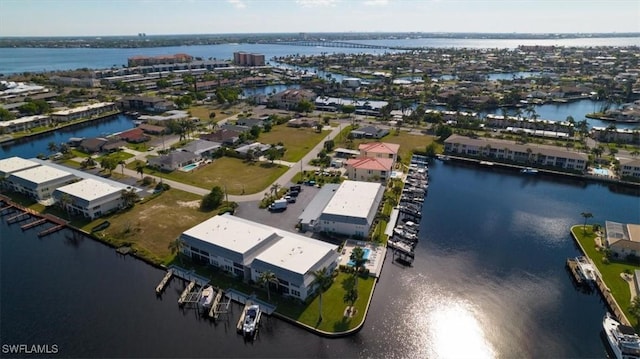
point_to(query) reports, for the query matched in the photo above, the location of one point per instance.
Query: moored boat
(206, 297)
(251, 319)
(529, 171)
(624, 341)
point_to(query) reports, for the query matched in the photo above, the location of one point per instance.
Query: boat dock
(33, 224)
(189, 275)
(217, 307)
(22, 216)
(163, 283)
(572, 263)
(189, 295)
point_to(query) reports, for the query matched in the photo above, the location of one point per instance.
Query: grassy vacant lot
(610, 270)
(145, 228)
(408, 143)
(203, 112)
(233, 173)
(298, 141)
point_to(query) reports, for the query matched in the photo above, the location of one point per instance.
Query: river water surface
(488, 282)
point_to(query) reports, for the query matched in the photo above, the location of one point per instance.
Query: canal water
(488, 281)
(33, 146)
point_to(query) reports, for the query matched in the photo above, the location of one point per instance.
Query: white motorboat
(529, 171)
(206, 297)
(251, 318)
(624, 341)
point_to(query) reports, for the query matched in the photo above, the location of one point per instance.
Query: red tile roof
(379, 147)
(367, 163)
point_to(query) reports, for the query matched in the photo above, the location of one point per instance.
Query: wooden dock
(164, 281)
(3, 209)
(22, 216)
(33, 224)
(572, 263)
(51, 230)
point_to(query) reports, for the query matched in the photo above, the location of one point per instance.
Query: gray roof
(314, 209)
(174, 158)
(200, 146)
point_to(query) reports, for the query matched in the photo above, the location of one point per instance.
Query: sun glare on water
(455, 332)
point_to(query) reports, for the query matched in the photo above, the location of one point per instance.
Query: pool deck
(376, 256)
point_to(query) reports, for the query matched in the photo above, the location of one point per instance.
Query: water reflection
(456, 332)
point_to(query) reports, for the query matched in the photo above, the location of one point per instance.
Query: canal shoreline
(10, 140)
(7, 203)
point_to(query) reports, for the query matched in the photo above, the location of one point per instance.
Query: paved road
(283, 181)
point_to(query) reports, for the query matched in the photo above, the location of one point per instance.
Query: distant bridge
(351, 45)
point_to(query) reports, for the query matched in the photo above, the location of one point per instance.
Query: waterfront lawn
(145, 228)
(333, 306)
(117, 156)
(610, 271)
(297, 141)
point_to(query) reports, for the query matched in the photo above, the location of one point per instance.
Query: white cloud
(312, 3)
(239, 4)
(376, 2)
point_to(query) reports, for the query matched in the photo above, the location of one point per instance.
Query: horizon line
(626, 33)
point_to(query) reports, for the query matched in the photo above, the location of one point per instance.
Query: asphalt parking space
(285, 220)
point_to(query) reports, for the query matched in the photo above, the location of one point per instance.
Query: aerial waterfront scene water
(292, 192)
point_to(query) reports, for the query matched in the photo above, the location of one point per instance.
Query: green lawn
(118, 156)
(233, 173)
(297, 141)
(333, 306)
(610, 271)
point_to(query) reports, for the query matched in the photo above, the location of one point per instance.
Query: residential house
(152, 129)
(302, 122)
(369, 132)
(258, 149)
(93, 144)
(623, 239)
(134, 135)
(369, 169)
(226, 137)
(250, 122)
(289, 99)
(173, 160)
(379, 150)
(202, 148)
(145, 103)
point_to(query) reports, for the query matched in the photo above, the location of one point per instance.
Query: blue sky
(154, 17)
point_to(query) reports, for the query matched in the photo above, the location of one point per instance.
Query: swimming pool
(601, 171)
(189, 167)
(367, 251)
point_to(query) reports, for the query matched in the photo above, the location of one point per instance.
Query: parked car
(290, 199)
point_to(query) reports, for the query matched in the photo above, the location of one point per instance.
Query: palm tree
(322, 279)
(266, 278)
(88, 162)
(586, 216)
(65, 203)
(129, 197)
(274, 189)
(357, 257)
(122, 163)
(175, 246)
(52, 147)
(140, 168)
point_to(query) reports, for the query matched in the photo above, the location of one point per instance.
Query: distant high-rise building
(246, 59)
(156, 60)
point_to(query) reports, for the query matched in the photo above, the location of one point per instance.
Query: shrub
(148, 180)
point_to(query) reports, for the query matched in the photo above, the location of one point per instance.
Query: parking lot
(285, 220)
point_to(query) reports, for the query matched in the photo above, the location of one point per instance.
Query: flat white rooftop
(42, 174)
(233, 233)
(353, 199)
(295, 253)
(15, 164)
(89, 189)
(82, 108)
